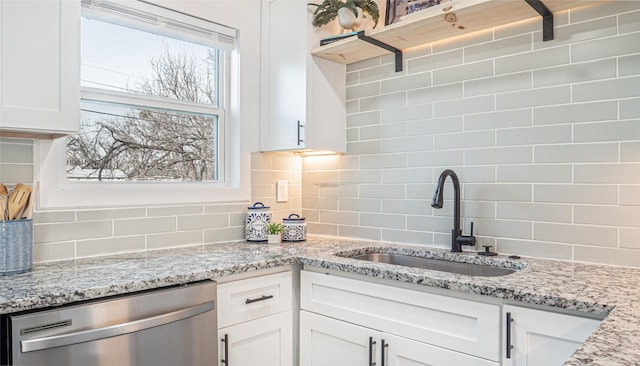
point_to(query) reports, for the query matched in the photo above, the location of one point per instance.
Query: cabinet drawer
(462, 325)
(253, 298)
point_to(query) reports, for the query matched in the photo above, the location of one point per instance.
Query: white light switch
(282, 191)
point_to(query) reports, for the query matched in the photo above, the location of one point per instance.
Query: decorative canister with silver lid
(295, 229)
(258, 219)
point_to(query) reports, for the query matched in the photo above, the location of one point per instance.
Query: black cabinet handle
(371, 357)
(263, 298)
(508, 337)
(383, 346)
(300, 140)
(225, 340)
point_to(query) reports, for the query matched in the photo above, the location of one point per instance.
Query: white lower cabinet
(413, 327)
(255, 321)
(330, 342)
(266, 341)
(541, 338)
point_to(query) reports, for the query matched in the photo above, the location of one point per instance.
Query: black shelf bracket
(547, 18)
(375, 42)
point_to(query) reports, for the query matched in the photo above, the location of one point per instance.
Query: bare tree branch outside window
(130, 143)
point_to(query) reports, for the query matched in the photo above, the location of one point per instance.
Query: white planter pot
(274, 239)
(348, 20)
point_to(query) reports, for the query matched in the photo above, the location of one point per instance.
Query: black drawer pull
(263, 298)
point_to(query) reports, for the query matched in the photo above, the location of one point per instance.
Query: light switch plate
(282, 191)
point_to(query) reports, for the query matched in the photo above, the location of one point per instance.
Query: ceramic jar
(258, 217)
(295, 229)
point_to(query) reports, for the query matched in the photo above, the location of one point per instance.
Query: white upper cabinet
(39, 67)
(302, 97)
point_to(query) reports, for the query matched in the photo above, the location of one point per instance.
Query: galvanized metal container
(16, 246)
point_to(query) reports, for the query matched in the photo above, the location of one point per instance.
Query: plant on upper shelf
(274, 228)
(328, 10)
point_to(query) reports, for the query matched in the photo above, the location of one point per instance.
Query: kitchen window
(157, 98)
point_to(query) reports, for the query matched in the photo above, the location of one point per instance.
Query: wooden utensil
(3, 201)
(28, 212)
(18, 201)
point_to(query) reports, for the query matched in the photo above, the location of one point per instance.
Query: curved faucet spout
(457, 239)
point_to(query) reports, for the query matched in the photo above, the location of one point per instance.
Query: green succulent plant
(275, 228)
(327, 10)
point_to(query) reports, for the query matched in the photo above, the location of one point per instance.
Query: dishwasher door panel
(175, 326)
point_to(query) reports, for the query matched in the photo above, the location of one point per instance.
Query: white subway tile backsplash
(629, 238)
(463, 72)
(378, 73)
(359, 232)
(484, 103)
(575, 73)
(607, 131)
(630, 108)
(382, 191)
(408, 113)
(224, 234)
(534, 135)
(606, 47)
(338, 218)
(363, 90)
(435, 158)
(576, 32)
(576, 234)
(435, 126)
(534, 98)
(359, 205)
(53, 216)
(382, 131)
(629, 22)
(385, 221)
(576, 193)
(629, 65)
(383, 161)
(627, 173)
(122, 244)
(502, 228)
(175, 210)
(533, 60)
(144, 226)
(363, 119)
(572, 113)
(413, 81)
(498, 84)
(462, 41)
(209, 221)
(622, 257)
(405, 236)
(532, 248)
(576, 153)
(410, 143)
(436, 61)
(383, 101)
(630, 195)
(498, 192)
(626, 216)
(406, 207)
(177, 239)
(54, 251)
(499, 155)
(430, 224)
(364, 147)
(498, 119)
(360, 176)
(536, 173)
(409, 175)
(109, 214)
(479, 209)
(434, 94)
(630, 152)
(466, 140)
(584, 13)
(607, 89)
(558, 213)
(500, 47)
(46, 233)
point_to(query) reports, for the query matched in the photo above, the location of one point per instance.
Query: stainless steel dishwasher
(174, 326)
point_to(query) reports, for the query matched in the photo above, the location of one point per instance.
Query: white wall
(545, 138)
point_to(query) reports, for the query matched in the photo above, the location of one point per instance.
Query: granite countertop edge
(599, 290)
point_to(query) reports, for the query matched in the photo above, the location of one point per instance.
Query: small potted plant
(348, 12)
(274, 229)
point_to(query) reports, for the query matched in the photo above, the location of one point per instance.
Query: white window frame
(233, 184)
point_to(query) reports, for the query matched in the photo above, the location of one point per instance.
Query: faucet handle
(471, 234)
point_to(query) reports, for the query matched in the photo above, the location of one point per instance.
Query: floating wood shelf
(446, 20)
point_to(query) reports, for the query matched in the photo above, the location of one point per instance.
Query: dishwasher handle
(114, 330)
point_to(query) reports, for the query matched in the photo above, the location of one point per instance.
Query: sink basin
(468, 269)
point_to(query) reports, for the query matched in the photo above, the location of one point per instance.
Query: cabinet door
(401, 351)
(266, 341)
(325, 341)
(541, 338)
(39, 66)
(284, 74)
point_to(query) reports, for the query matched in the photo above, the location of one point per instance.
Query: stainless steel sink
(469, 269)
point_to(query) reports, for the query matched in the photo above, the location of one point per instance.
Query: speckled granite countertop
(596, 289)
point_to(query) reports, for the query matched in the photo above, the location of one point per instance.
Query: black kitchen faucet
(457, 239)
